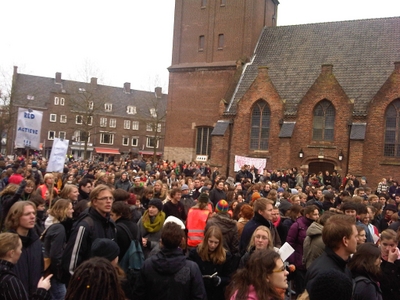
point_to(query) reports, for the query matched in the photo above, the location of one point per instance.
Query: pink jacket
(250, 296)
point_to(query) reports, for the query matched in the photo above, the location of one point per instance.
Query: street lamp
(301, 153)
(340, 157)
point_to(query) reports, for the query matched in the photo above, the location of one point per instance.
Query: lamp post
(301, 153)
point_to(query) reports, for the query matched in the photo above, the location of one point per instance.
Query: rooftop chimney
(93, 82)
(58, 77)
(263, 70)
(326, 69)
(127, 87)
(158, 92)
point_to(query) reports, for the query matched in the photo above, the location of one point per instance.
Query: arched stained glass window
(260, 124)
(323, 121)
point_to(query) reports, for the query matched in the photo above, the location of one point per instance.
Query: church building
(322, 96)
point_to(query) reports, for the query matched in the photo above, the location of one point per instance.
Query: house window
(62, 101)
(103, 122)
(203, 3)
(153, 112)
(51, 135)
(90, 105)
(135, 141)
(203, 141)
(62, 134)
(113, 123)
(131, 110)
(30, 97)
(89, 120)
(80, 136)
(81, 90)
(78, 119)
(220, 41)
(108, 107)
(56, 101)
(135, 125)
(159, 127)
(392, 129)
(127, 124)
(107, 138)
(201, 43)
(125, 141)
(323, 121)
(223, 2)
(63, 119)
(151, 142)
(53, 118)
(149, 127)
(260, 124)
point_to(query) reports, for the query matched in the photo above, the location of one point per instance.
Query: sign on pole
(29, 124)
(57, 156)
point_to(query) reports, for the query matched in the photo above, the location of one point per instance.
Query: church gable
(361, 51)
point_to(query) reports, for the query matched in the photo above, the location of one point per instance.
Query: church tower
(212, 39)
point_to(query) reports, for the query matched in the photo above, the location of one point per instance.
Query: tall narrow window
(323, 121)
(260, 124)
(392, 129)
(203, 3)
(203, 141)
(201, 43)
(220, 41)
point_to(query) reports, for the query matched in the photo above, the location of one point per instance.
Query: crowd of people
(167, 230)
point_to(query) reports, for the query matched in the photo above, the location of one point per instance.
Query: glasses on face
(282, 269)
(263, 237)
(106, 198)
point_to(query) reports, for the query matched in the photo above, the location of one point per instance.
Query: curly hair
(95, 278)
(260, 265)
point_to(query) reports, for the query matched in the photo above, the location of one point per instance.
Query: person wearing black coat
(11, 287)
(168, 275)
(121, 214)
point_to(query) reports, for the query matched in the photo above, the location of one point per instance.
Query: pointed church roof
(362, 53)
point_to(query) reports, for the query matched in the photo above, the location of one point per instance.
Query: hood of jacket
(168, 261)
(224, 222)
(314, 229)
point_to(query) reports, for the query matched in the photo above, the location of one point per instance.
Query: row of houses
(100, 122)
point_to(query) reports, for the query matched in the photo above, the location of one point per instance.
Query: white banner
(29, 125)
(258, 163)
(57, 156)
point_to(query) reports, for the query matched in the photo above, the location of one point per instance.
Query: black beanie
(203, 198)
(105, 248)
(325, 286)
(157, 203)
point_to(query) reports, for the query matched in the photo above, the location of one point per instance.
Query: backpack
(133, 259)
(36, 176)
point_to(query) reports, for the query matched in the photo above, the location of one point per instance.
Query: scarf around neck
(157, 223)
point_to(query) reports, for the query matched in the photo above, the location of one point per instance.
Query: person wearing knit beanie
(105, 248)
(222, 206)
(203, 198)
(255, 196)
(326, 286)
(157, 203)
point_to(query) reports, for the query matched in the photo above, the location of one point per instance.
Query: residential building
(108, 121)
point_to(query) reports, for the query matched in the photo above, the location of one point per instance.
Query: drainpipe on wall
(229, 146)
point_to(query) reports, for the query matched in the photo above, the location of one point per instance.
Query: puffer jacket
(296, 236)
(169, 276)
(313, 245)
(229, 231)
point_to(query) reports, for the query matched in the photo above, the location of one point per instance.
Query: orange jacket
(195, 224)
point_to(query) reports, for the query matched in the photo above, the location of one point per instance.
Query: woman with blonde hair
(261, 239)
(11, 286)
(70, 192)
(47, 186)
(214, 262)
(58, 228)
(157, 189)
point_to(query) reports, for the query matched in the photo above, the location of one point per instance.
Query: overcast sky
(127, 40)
